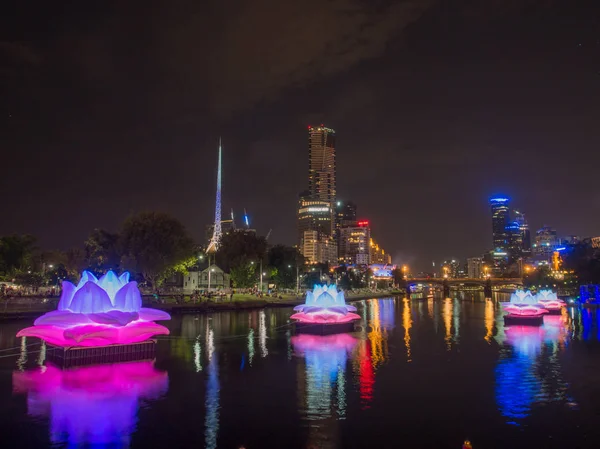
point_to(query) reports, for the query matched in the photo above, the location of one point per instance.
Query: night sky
(113, 107)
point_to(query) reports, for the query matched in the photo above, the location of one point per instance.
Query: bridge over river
(488, 284)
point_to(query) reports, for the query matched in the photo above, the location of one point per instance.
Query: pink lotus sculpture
(325, 305)
(549, 300)
(98, 312)
(524, 305)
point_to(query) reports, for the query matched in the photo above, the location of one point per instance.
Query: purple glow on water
(90, 406)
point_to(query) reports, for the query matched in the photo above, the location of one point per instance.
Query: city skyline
(425, 133)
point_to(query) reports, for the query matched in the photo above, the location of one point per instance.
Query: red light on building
(309, 127)
(363, 224)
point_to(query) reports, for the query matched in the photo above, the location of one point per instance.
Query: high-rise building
(500, 219)
(514, 233)
(525, 234)
(345, 214)
(378, 254)
(321, 163)
(313, 215)
(319, 248)
(475, 267)
(354, 244)
(451, 268)
(546, 241)
(316, 208)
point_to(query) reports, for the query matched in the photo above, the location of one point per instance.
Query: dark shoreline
(202, 307)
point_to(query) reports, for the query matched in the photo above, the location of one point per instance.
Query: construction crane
(268, 234)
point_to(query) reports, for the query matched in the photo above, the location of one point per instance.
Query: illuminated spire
(214, 242)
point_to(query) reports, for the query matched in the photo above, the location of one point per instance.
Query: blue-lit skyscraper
(500, 220)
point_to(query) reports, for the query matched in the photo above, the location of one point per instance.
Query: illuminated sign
(382, 271)
(498, 200)
(318, 209)
(363, 224)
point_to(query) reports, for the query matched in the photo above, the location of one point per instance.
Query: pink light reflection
(90, 405)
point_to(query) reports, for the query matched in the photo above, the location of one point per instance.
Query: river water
(415, 374)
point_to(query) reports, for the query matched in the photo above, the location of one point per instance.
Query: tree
(29, 279)
(398, 277)
(102, 251)
(154, 244)
(584, 260)
(285, 263)
(541, 276)
(238, 248)
(343, 277)
(16, 253)
(243, 275)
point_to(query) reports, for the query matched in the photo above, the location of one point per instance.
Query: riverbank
(246, 302)
(239, 302)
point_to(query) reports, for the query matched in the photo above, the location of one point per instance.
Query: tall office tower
(345, 213)
(525, 234)
(354, 244)
(515, 240)
(313, 215)
(500, 219)
(316, 207)
(321, 163)
(546, 241)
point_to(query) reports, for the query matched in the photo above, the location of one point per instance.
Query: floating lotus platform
(324, 328)
(524, 320)
(66, 357)
(99, 321)
(325, 312)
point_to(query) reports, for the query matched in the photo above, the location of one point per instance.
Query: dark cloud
(114, 106)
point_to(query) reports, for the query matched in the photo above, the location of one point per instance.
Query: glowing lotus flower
(325, 305)
(98, 312)
(524, 305)
(522, 297)
(549, 300)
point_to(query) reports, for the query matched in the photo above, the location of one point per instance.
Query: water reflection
(322, 386)
(407, 323)
(325, 362)
(447, 316)
(95, 405)
(489, 319)
(262, 333)
(211, 420)
(529, 370)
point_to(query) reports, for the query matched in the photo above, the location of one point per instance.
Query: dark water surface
(418, 374)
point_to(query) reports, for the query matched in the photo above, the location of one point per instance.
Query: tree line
(152, 246)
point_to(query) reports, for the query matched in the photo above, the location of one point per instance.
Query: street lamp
(209, 271)
(261, 280)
